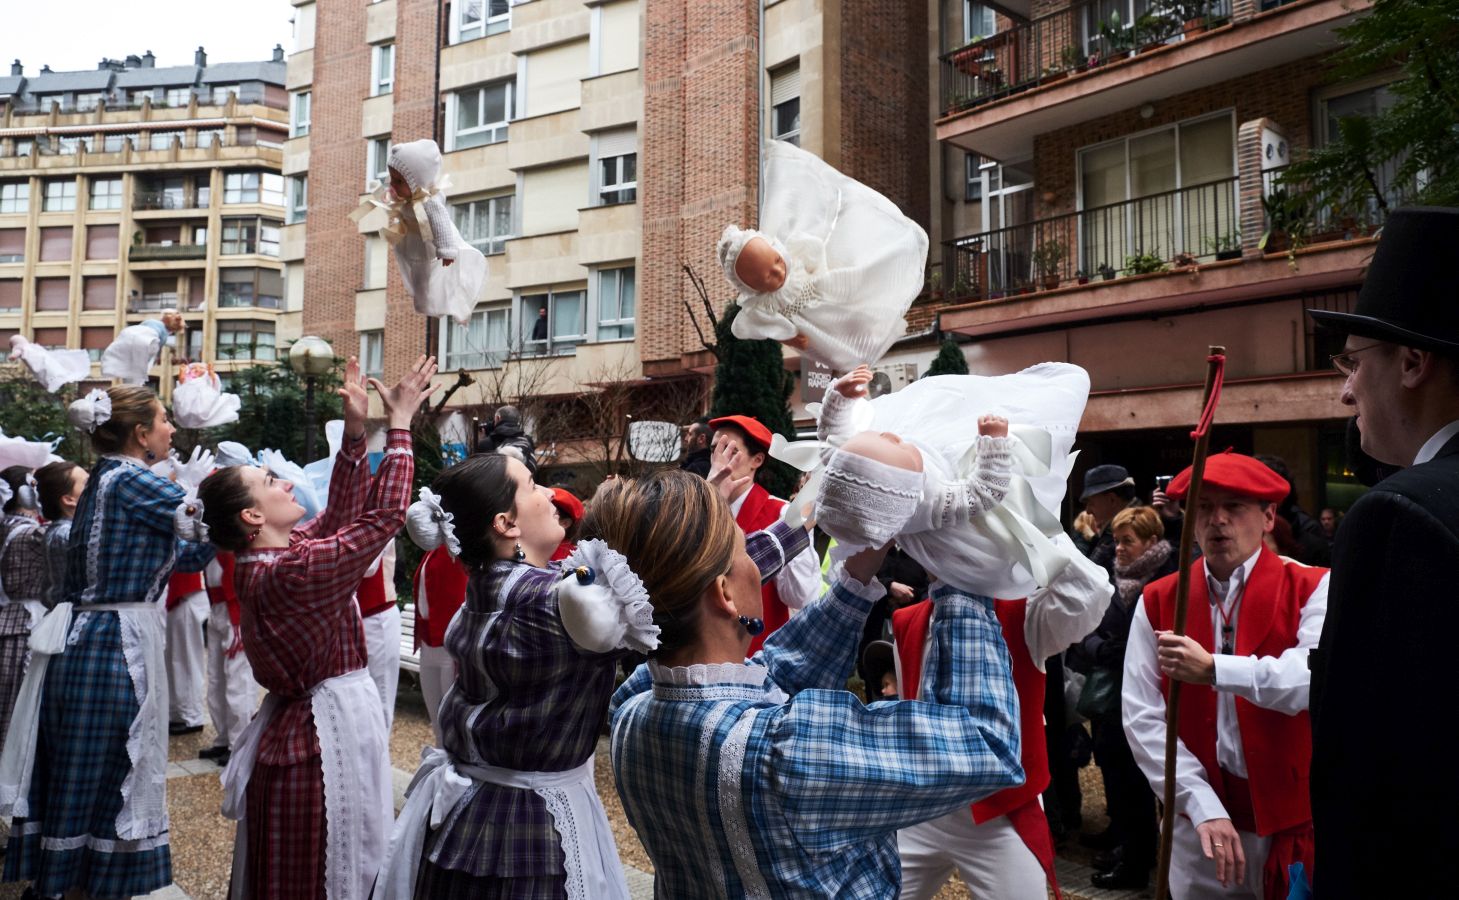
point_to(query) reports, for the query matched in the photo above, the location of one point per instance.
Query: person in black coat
(507, 434)
(696, 448)
(1385, 796)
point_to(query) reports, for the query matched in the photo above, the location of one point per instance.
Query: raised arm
(349, 483)
(1071, 606)
(442, 229)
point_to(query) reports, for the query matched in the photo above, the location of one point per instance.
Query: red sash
(1020, 804)
(181, 586)
(371, 594)
(442, 578)
(760, 511)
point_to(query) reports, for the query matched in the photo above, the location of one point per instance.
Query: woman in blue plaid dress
(89, 797)
(767, 778)
(19, 583)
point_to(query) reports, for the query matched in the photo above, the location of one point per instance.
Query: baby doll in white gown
(443, 274)
(198, 400)
(54, 369)
(132, 354)
(831, 270)
(977, 510)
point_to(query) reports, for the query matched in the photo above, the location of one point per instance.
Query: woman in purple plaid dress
(83, 770)
(21, 568)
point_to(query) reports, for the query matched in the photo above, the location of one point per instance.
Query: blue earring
(752, 626)
(518, 555)
(151, 457)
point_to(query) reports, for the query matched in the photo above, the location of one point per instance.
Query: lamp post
(310, 357)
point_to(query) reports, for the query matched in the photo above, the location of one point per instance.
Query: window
(56, 244)
(50, 338)
(553, 323)
(106, 193)
(221, 93)
(479, 18)
(12, 245)
(372, 354)
(382, 79)
(60, 195)
(978, 21)
(163, 140)
(99, 293)
(102, 242)
(88, 101)
(298, 199)
(178, 96)
(24, 146)
(377, 161)
(485, 224)
(253, 187)
(481, 343)
(157, 293)
(70, 146)
(246, 339)
(299, 117)
(785, 104)
(195, 346)
(14, 196)
(96, 340)
(377, 254)
(52, 294)
(115, 143)
(9, 296)
(617, 168)
(242, 236)
(208, 137)
(617, 292)
(481, 115)
(239, 288)
(1366, 103)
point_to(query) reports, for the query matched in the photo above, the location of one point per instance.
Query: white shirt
(1278, 683)
(799, 581)
(1433, 445)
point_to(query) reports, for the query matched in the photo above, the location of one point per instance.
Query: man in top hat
(1107, 490)
(754, 509)
(1241, 800)
(1384, 793)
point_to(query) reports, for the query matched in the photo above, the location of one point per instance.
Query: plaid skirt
(70, 841)
(14, 655)
(436, 883)
(286, 831)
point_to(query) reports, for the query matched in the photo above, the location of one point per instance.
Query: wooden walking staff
(1215, 374)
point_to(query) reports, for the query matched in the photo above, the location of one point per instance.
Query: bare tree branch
(694, 279)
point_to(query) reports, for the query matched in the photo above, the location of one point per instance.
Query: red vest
(181, 586)
(225, 591)
(1278, 747)
(910, 624)
(442, 578)
(760, 511)
(371, 594)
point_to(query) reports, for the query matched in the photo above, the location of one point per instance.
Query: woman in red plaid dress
(311, 774)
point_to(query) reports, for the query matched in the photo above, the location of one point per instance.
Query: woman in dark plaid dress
(87, 785)
(310, 776)
(59, 486)
(21, 570)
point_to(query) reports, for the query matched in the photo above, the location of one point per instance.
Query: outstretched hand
(853, 384)
(402, 401)
(356, 401)
(722, 460)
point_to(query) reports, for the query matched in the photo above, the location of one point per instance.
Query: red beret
(751, 427)
(1235, 472)
(567, 504)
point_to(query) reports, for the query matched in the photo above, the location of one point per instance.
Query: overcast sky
(77, 34)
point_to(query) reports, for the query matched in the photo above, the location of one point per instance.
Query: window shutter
(619, 142)
(785, 85)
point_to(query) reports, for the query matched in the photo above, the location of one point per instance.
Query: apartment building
(1108, 172)
(134, 188)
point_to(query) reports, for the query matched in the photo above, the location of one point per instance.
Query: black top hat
(1410, 296)
(1104, 478)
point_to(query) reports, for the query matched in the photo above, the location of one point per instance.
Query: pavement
(202, 840)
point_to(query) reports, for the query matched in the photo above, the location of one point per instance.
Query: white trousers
(382, 643)
(991, 858)
(437, 674)
(232, 692)
(1193, 877)
(185, 659)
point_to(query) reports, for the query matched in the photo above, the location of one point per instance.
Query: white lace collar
(707, 674)
(124, 458)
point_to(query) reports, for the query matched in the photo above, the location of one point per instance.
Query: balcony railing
(1134, 237)
(1295, 217)
(153, 302)
(1066, 42)
(163, 200)
(161, 252)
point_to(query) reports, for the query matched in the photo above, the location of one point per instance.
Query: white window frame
(621, 322)
(86, 101)
(208, 137)
(256, 327)
(986, 16)
(484, 209)
(382, 69)
(781, 94)
(299, 113)
(553, 344)
(64, 198)
(377, 161)
(177, 96)
(471, 356)
(112, 195)
(495, 132)
(219, 94)
(297, 192)
(485, 25)
(372, 353)
(15, 196)
(240, 246)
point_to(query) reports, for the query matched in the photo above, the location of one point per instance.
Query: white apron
(144, 791)
(593, 870)
(358, 804)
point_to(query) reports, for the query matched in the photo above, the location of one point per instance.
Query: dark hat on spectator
(877, 659)
(1409, 295)
(749, 425)
(1104, 478)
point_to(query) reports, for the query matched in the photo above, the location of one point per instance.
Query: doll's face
(760, 267)
(885, 448)
(398, 184)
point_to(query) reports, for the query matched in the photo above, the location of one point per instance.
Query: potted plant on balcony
(960, 286)
(1190, 13)
(1114, 37)
(1142, 263)
(1153, 29)
(934, 285)
(969, 58)
(1106, 271)
(1081, 276)
(1048, 258)
(1286, 216)
(1225, 246)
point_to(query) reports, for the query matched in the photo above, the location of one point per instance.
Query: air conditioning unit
(890, 377)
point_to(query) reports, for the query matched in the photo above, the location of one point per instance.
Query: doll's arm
(442, 228)
(837, 408)
(961, 500)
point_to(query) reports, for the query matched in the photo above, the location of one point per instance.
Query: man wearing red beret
(1241, 798)
(754, 509)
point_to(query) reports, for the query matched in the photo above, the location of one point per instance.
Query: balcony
(167, 252)
(175, 200)
(997, 93)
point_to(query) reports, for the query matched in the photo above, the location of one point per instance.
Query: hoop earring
(518, 554)
(752, 626)
(253, 535)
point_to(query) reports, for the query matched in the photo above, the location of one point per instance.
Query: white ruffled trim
(90, 411)
(621, 619)
(708, 674)
(430, 526)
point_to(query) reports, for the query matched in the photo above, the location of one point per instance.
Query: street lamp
(310, 357)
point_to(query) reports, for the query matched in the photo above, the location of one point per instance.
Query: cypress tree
(949, 361)
(751, 380)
